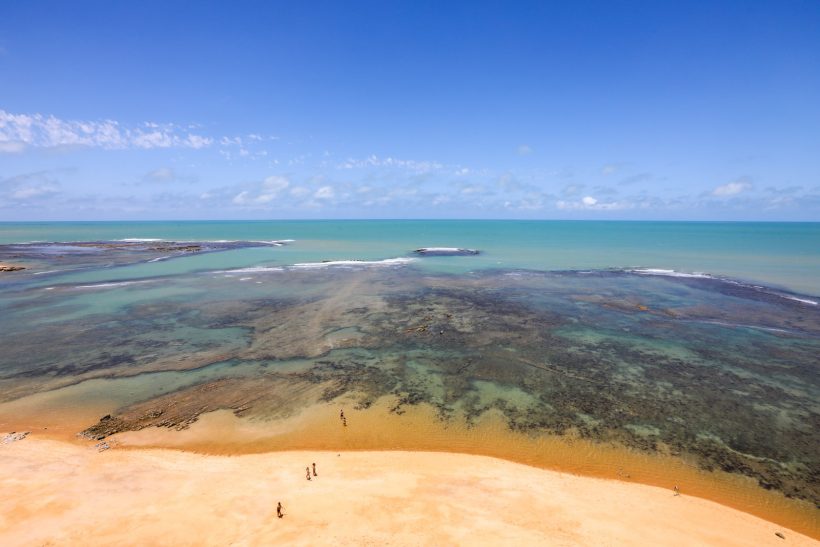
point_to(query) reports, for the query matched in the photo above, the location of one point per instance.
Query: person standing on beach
(279, 510)
(307, 473)
(314, 470)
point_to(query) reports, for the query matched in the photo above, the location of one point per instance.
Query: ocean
(663, 352)
(777, 253)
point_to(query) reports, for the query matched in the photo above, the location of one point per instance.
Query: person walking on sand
(314, 470)
(677, 490)
(307, 473)
(279, 510)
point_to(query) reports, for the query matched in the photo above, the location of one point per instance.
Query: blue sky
(702, 110)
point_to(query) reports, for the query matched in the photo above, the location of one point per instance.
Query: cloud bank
(21, 131)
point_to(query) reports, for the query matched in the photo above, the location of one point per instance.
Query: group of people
(308, 474)
(279, 510)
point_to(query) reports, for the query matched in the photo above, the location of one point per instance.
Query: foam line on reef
(770, 291)
(669, 273)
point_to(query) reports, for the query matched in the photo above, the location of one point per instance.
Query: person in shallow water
(279, 510)
(314, 470)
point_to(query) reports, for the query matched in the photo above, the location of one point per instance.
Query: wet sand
(53, 492)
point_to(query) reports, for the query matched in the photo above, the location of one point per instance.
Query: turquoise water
(779, 254)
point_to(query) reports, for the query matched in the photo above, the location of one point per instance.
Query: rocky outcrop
(10, 268)
(445, 251)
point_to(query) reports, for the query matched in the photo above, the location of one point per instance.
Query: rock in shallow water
(445, 251)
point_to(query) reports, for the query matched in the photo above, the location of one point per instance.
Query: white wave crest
(669, 273)
(52, 271)
(387, 262)
(275, 242)
(113, 284)
(803, 300)
(254, 269)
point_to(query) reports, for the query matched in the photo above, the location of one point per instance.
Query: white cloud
(524, 150)
(231, 141)
(572, 190)
(11, 147)
(376, 161)
(163, 174)
(241, 198)
(154, 139)
(592, 204)
(472, 189)
(28, 192)
(21, 131)
(275, 183)
(197, 141)
(166, 175)
(29, 187)
(732, 188)
(325, 192)
(261, 193)
(530, 203)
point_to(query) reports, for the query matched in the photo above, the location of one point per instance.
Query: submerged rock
(445, 251)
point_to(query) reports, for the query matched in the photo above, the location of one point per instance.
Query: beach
(58, 493)
(172, 386)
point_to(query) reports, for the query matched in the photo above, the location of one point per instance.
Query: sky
(618, 109)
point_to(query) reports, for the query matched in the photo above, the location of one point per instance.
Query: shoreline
(67, 493)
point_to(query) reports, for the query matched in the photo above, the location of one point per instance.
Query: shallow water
(719, 374)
